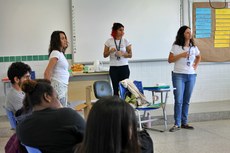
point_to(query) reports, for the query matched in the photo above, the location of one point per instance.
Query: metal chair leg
(139, 119)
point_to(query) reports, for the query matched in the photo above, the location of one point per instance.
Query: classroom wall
(25, 30)
(213, 80)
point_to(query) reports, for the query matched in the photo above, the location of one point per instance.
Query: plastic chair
(31, 149)
(11, 118)
(102, 89)
(145, 118)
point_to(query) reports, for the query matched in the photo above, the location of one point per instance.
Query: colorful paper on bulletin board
(221, 41)
(222, 31)
(203, 23)
(203, 35)
(221, 45)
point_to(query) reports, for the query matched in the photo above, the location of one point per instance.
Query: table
(163, 99)
(155, 90)
(79, 81)
(6, 85)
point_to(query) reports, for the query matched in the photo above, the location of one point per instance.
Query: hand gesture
(194, 66)
(119, 53)
(112, 50)
(184, 54)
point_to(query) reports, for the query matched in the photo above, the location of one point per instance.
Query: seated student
(50, 128)
(17, 73)
(26, 109)
(111, 128)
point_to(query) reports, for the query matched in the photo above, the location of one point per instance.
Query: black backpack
(146, 142)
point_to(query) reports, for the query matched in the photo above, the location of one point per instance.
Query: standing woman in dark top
(50, 128)
(119, 50)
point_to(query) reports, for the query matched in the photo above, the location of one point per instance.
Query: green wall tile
(18, 58)
(35, 58)
(12, 58)
(6, 58)
(24, 58)
(41, 57)
(69, 56)
(29, 58)
(46, 57)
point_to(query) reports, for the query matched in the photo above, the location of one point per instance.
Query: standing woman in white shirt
(119, 50)
(186, 57)
(57, 68)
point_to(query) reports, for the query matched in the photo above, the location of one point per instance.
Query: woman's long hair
(55, 41)
(180, 39)
(111, 128)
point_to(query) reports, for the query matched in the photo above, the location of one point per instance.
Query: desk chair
(31, 149)
(145, 118)
(11, 118)
(101, 89)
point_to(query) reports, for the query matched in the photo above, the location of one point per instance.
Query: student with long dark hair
(119, 50)
(50, 128)
(57, 68)
(111, 128)
(186, 57)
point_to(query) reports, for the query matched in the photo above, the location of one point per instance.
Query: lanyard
(189, 52)
(117, 47)
(190, 46)
(188, 62)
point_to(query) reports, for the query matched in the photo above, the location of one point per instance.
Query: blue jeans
(184, 84)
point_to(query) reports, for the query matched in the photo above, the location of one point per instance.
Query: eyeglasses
(26, 76)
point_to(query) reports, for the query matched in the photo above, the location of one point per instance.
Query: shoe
(186, 126)
(174, 128)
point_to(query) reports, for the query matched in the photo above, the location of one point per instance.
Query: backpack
(146, 142)
(14, 146)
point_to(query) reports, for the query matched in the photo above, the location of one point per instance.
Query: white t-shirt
(114, 60)
(14, 99)
(185, 65)
(60, 71)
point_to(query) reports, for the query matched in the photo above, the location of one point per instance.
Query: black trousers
(117, 74)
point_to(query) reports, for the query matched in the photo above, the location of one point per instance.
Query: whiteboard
(26, 25)
(150, 26)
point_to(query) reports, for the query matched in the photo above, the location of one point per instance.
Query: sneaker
(174, 128)
(186, 126)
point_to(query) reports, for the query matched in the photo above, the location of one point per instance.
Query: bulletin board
(211, 28)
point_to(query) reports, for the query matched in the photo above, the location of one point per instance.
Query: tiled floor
(204, 107)
(208, 137)
(5, 133)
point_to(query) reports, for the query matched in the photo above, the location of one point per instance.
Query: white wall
(213, 81)
(25, 29)
(26, 25)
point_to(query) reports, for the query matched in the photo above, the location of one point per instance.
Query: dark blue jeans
(184, 84)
